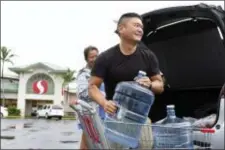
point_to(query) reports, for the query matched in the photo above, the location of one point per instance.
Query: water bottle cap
(142, 73)
(170, 106)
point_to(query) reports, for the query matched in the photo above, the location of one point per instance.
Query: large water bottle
(135, 98)
(172, 132)
(134, 103)
(171, 116)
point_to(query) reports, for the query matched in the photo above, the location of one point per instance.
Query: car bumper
(56, 115)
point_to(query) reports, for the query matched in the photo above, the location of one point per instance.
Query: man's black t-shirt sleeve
(153, 65)
(100, 66)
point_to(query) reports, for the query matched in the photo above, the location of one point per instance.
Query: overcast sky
(57, 31)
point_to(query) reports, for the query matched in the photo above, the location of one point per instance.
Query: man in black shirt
(122, 63)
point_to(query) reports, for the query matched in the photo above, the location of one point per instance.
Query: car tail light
(207, 130)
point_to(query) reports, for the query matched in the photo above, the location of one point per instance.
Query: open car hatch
(190, 46)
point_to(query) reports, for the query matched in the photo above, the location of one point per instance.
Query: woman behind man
(90, 55)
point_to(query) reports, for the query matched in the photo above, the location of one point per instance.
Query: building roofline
(7, 76)
(28, 68)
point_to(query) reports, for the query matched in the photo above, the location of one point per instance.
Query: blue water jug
(135, 98)
(173, 132)
(134, 102)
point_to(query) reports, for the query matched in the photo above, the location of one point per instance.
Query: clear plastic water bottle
(171, 115)
(173, 132)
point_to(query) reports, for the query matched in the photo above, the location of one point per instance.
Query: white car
(50, 111)
(4, 112)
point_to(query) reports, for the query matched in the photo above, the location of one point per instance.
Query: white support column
(21, 105)
(21, 101)
(58, 97)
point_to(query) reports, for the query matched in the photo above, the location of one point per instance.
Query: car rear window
(56, 107)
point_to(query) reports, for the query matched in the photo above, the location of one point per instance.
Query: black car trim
(154, 19)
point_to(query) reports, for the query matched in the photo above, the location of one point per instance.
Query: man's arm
(157, 85)
(96, 95)
(94, 91)
(98, 73)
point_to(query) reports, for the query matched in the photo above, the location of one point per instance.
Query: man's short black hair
(125, 16)
(87, 50)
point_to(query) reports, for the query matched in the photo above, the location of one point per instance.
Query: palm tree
(68, 76)
(6, 57)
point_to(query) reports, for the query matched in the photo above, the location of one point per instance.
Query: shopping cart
(93, 128)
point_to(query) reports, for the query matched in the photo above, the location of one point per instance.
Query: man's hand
(109, 107)
(145, 81)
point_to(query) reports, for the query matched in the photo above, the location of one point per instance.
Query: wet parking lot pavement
(39, 134)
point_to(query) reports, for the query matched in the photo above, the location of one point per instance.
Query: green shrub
(13, 111)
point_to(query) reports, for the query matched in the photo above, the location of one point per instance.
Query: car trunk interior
(191, 56)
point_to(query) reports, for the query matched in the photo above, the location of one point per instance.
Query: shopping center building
(35, 85)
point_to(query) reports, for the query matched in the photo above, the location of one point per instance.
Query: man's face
(132, 29)
(92, 55)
